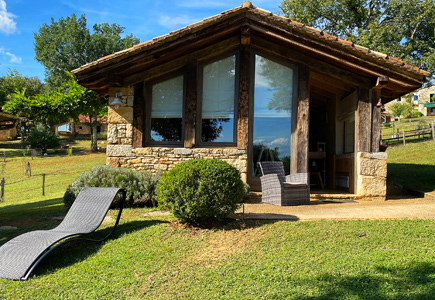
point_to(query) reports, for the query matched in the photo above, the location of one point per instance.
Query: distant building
(8, 126)
(82, 127)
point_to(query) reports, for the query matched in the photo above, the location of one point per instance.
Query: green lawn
(413, 165)
(157, 258)
(152, 256)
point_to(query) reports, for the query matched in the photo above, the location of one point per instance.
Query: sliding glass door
(272, 113)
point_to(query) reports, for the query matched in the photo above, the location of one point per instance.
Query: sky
(20, 19)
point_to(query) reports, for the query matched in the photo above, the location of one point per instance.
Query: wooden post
(2, 187)
(28, 170)
(138, 114)
(432, 129)
(363, 121)
(376, 120)
(244, 86)
(191, 100)
(403, 136)
(43, 184)
(299, 161)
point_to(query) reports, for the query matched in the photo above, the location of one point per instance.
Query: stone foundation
(153, 159)
(371, 171)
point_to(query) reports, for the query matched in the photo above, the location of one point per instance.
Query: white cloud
(279, 142)
(7, 23)
(175, 22)
(12, 57)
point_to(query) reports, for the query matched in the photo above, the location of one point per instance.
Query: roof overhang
(394, 77)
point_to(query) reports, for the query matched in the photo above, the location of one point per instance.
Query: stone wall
(8, 133)
(121, 153)
(371, 173)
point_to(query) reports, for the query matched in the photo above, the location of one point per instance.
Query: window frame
(148, 109)
(200, 84)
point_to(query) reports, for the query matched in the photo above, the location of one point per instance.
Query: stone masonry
(371, 175)
(121, 153)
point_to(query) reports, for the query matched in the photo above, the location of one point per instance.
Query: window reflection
(167, 110)
(217, 115)
(273, 95)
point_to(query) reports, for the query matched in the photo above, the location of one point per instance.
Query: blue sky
(20, 19)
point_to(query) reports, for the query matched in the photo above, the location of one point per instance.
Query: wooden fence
(411, 135)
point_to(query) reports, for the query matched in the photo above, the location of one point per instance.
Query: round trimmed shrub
(140, 186)
(200, 191)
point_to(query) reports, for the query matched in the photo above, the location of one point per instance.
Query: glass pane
(273, 96)
(218, 100)
(167, 110)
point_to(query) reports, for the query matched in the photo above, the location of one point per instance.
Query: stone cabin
(246, 86)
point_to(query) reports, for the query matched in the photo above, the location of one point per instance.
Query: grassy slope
(413, 165)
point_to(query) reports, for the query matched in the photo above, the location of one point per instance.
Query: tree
(14, 81)
(401, 28)
(67, 44)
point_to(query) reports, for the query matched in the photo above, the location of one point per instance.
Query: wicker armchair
(282, 190)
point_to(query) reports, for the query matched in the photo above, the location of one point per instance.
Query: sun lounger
(21, 255)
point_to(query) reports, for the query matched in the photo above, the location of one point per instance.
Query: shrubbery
(42, 139)
(140, 187)
(199, 191)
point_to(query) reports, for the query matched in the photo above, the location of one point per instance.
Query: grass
(158, 258)
(152, 256)
(413, 165)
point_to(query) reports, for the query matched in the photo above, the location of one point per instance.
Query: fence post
(43, 184)
(431, 127)
(2, 187)
(403, 135)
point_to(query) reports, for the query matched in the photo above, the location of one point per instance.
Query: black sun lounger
(21, 255)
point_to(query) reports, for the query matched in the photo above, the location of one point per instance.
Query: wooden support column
(244, 85)
(190, 110)
(376, 112)
(138, 115)
(376, 119)
(363, 121)
(299, 152)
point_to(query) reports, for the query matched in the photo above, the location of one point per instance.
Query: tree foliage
(13, 81)
(56, 106)
(401, 28)
(67, 44)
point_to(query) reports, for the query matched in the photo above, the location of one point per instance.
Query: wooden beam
(244, 88)
(376, 119)
(363, 121)
(190, 110)
(138, 115)
(299, 159)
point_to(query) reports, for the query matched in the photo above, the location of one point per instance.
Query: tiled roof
(282, 21)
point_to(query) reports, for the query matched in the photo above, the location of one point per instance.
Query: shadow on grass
(79, 250)
(25, 207)
(413, 176)
(411, 282)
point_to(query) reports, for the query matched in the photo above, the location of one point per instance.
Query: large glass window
(273, 97)
(218, 95)
(167, 110)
